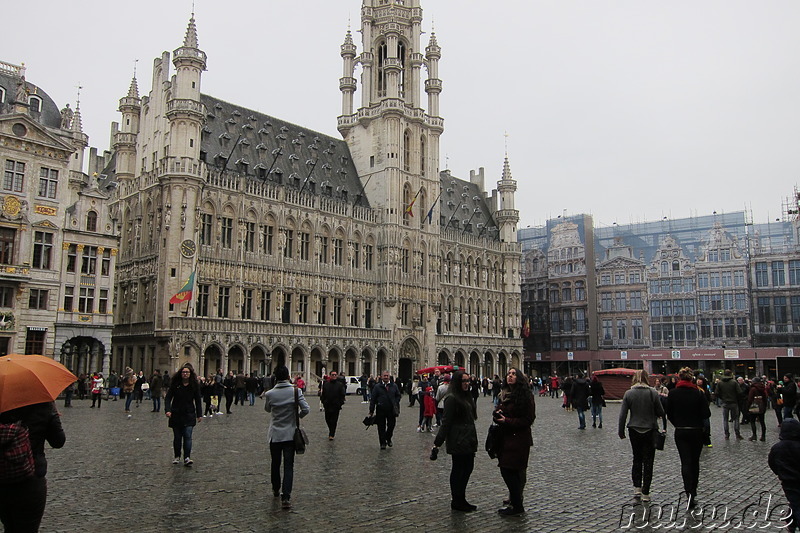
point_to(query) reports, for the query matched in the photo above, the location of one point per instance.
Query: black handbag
(300, 437)
(659, 439)
(494, 441)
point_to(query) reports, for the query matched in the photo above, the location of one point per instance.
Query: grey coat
(280, 402)
(644, 406)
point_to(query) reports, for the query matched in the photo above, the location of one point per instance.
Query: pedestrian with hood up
(784, 460)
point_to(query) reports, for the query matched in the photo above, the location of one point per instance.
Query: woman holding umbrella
(183, 406)
(28, 386)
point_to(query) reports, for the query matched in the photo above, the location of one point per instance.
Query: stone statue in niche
(167, 218)
(183, 218)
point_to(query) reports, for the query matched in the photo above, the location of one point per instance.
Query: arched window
(401, 55)
(35, 103)
(408, 209)
(664, 267)
(422, 155)
(383, 54)
(407, 151)
(91, 221)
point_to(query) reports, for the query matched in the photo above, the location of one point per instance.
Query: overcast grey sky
(627, 109)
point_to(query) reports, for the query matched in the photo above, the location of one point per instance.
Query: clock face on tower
(188, 248)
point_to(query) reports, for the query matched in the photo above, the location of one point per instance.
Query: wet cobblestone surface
(115, 474)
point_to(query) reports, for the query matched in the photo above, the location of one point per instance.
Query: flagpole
(430, 212)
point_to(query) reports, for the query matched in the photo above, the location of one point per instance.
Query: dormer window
(35, 103)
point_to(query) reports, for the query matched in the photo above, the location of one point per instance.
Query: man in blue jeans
(728, 391)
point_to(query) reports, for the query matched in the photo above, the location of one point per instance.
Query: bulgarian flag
(185, 294)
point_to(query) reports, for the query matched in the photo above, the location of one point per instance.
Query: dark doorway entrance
(404, 369)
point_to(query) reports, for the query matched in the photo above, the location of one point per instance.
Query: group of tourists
(686, 406)
(684, 401)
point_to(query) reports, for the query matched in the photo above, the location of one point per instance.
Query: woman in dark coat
(515, 415)
(598, 401)
(458, 430)
(757, 395)
(22, 504)
(184, 409)
(686, 409)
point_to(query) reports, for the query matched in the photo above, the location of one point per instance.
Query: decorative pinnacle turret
(190, 40)
(77, 123)
(506, 170)
(133, 90)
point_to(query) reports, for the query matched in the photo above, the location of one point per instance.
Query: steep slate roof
(461, 201)
(49, 116)
(270, 149)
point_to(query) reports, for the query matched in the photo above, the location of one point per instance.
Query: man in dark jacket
(784, 460)
(579, 395)
(332, 398)
(385, 405)
(729, 392)
(156, 383)
(789, 393)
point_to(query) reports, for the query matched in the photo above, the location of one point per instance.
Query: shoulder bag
(300, 437)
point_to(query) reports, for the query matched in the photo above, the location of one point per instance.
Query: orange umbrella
(29, 379)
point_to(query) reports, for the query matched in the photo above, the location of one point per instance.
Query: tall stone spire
(507, 215)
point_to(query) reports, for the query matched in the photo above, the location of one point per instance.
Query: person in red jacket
(429, 410)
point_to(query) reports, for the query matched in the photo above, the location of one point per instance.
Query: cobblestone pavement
(115, 474)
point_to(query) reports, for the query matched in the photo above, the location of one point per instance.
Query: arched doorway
(409, 354)
(83, 355)
(317, 366)
(459, 359)
(443, 359)
(299, 362)
(488, 365)
(334, 360)
(474, 364)
(366, 362)
(258, 361)
(502, 365)
(278, 357)
(212, 360)
(236, 359)
(382, 360)
(350, 363)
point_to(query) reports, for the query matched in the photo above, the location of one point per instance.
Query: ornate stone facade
(318, 253)
(57, 237)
